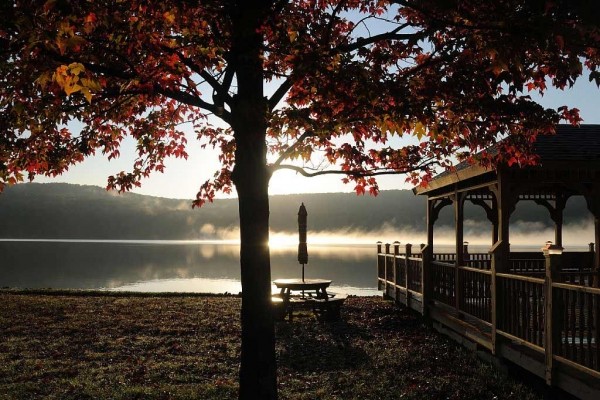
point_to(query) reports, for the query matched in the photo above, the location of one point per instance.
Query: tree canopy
(354, 87)
(347, 77)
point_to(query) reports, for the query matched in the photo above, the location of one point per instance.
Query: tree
(369, 87)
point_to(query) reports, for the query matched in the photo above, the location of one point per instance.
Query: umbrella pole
(303, 279)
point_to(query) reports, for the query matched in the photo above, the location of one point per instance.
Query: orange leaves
(71, 79)
(169, 17)
(419, 130)
(89, 22)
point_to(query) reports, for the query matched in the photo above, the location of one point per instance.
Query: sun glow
(286, 240)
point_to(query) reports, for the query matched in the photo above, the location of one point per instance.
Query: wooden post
(553, 310)
(459, 236)
(596, 269)
(593, 204)
(493, 218)
(408, 248)
(426, 285)
(505, 201)
(396, 254)
(590, 261)
(387, 267)
(380, 266)
(496, 301)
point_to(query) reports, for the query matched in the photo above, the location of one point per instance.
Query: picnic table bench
(312, 295)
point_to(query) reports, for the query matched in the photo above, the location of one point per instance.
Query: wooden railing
(578, 325)
(414, 271)
(476, 298)
(400, 274)
(553, 311)
(521, 309)
(577, 267)
(443, 282)
(446, 257)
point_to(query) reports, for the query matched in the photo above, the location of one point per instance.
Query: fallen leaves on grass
(134, 347)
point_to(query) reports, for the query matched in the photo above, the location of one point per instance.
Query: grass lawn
(183, 347)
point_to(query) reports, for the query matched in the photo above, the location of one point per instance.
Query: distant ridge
(67, 211)
(60, 210)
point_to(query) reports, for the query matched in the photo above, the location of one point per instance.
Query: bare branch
(193, 101)
(279, 93)
(387, 36)
(374, 172)
(293, 147)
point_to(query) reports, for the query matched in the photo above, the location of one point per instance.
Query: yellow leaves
(76, 68)
(335, 62)
(66, 39)
(91, 84)
(70, 78)
(169, 17)
(391, 125)
(419, 130)
(292, 34)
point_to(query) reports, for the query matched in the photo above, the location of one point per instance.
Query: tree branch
(193, 101)
(374, 172)
(279, 93)
(388, 36)
(293, 147)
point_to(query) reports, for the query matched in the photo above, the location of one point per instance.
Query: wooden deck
(550, 328)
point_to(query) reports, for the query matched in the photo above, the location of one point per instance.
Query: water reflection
(171, 266)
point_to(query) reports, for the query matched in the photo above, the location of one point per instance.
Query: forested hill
(72, 211)
(87, 212)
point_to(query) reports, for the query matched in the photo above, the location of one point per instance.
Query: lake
(172, 266)
(181, 266)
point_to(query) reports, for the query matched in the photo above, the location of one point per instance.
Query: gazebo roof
(571, 148)
(571, 143)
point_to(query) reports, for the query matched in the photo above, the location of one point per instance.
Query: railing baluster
(581, 317)
(589, 325)
(596, 306)
(573, 337)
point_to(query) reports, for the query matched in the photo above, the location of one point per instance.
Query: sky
(182, 178)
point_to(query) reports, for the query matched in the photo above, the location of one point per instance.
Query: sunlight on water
(202, 285)
(191, 285)
(283, 240)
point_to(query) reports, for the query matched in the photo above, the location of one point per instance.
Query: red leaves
(570, 115)
(442, 81)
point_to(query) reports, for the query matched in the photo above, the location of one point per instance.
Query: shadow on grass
(307, 345)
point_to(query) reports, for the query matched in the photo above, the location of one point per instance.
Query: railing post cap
(552, 249)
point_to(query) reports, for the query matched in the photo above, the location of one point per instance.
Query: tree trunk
(258, 370)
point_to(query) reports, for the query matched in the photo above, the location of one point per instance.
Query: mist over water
(171, 266)
(346, 256)
(522, 234)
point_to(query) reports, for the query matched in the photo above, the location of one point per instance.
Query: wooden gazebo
(540, 310)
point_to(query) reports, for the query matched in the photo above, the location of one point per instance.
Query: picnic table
(306, 293)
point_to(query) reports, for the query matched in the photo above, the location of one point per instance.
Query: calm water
(179, 266)
(172, 266)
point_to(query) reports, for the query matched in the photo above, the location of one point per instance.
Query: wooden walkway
(549, 328)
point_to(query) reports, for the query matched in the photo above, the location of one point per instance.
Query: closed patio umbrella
(302, 249)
